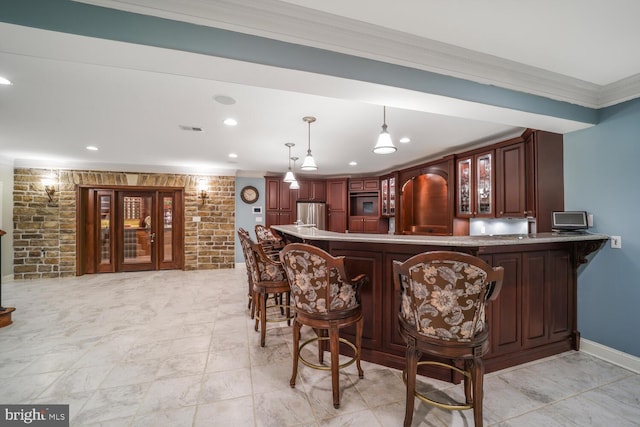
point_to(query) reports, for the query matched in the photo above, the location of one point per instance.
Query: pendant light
(294, 184)
(384, 144)
(289, 177)
(309, 164)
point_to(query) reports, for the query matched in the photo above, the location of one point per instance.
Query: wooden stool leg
(296, 352)
(412, 358)
(256, 308)
(468, 383)
(477, 378)
(252, 304)
(321, 345)
(334, 348)
(359, 329)
(263, 318)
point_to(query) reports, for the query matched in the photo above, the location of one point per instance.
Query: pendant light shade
(309, 164)
(294, 184)
(289, 177)
(384, 144)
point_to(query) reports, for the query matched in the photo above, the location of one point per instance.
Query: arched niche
(426, 201)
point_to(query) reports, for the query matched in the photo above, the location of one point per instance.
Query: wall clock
(249, 194)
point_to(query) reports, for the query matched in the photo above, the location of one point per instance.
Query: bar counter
(533, 317)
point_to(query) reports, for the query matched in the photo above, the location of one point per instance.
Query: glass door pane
(484, 185)
(392, 196)
(167, 231)
(104, 239)
(464, 187)
(138, 234)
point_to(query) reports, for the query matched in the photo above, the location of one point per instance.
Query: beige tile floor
(176, 348)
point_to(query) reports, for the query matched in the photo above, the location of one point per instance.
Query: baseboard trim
(7, 278)
(239, 264)
(611, 355)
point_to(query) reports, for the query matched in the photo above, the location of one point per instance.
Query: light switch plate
(196, 219)
(616, 242)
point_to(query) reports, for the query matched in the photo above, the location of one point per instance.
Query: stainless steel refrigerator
(312, 213)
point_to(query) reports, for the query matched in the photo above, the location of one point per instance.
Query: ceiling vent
(191, 128)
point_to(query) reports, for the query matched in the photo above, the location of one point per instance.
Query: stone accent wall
(44, 235)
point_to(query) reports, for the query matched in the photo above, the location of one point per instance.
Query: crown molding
(620, 91)
(291, 23)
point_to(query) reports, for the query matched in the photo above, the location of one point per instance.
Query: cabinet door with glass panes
(475, 196)
(388, 194)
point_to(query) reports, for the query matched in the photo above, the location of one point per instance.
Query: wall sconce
(49, 187)
(203, 185)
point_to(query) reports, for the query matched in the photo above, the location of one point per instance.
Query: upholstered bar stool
(325, 299)
(443, 299)
(245, 242)
(271, 243)
(268, 278)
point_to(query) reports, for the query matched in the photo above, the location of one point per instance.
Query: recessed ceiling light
(230, 122)
(4, 81)
(224, 99)
(353, 163)
(405, 139)
(233, 155)
(92, 148)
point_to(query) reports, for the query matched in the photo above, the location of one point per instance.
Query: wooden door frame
(86, 244)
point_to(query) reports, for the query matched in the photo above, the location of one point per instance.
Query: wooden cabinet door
(506, 311)
(337, 205)
(371, 184)
(284, 197)
(370, 225)
(475, 189)
(464, 188)
(318, 191)
(548, 307)
(562, 296)
(484, 185)
(272, 198)
(535, 296)
(279, 202)
(511, 197)
(356, 224)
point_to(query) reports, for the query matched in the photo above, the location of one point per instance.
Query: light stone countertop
(312, 233)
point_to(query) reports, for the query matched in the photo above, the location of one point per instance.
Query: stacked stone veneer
(44, 235)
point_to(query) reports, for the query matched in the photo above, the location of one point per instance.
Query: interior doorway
(130, 229)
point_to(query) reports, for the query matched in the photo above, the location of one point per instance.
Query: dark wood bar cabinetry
(533, 317)
(364, 207)
(518, 178)
(280, 202)
(337, 205)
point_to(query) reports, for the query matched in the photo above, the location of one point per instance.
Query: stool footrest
(324, 367)
(450, 407)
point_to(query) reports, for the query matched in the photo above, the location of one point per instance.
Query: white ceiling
(130, 100)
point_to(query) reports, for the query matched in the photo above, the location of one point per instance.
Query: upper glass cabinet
(475, 183)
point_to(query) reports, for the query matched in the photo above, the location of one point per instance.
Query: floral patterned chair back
(265, 234)
(319, 284)
(443, 294)
(245, 242)
(261, 266)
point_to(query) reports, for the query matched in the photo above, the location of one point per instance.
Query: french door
(131, 229)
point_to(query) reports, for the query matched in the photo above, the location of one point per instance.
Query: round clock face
(249, 194)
